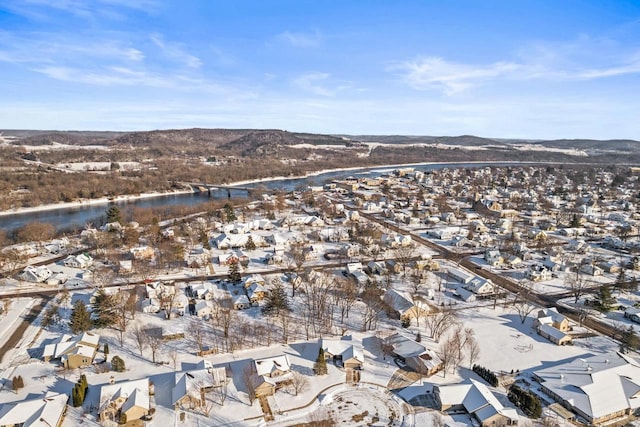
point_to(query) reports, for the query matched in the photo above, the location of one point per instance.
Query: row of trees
(486, 374)
(525, 400)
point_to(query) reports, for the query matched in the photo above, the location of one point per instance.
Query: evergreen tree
(229, 213)
(80, 320)
(234, 272)
(320, 366)
(629, 340)
(83, 382)
(277, 299)
(605, 299)
(204, 240)
(113, 214)
(104, 309)
(106, 351)
(575, 221)
(250, 245)
(75, 397)
(117, 364)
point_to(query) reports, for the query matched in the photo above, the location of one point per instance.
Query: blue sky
(496, 68)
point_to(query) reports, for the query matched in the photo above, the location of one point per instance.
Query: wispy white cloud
(48, 48)
(306, 40)
(580, 60)
(176, 51)
(86, 9)
(317, 84)
(451, 77)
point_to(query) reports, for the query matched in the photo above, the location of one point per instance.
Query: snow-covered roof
(345, 348)
(44, 411)
(190, 383)
(552, 332)
(404, 346)
(399, 301)
(269, 364)
(135, 393)
(476, 398)
(596, 385)
(84, 344)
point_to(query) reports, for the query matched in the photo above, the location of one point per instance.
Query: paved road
(543, 300)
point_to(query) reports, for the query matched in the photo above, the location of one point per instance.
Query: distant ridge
(248, 142)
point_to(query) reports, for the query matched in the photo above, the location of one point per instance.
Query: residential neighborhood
(487, 296)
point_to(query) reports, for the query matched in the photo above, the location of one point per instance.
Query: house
(78, 261)
(598, 388)
(247, 281)
(203, 308)
(35, 274)
(578, 245)
(129, 399)
(272, 367)
(256, 293)
(45, 411)
(480, 286)
(477, 400)
(241, 302)
(550, 316)
(190, 387)
(415, 355)
(73, 351)
(344, 352)
(459, 275)
(393, 266)
(142, 252)
(270, 374)
(464, 294)
(463, 242)
(445, 233)
(404, 305)
(352, 267)
(513, 260)
(554, 335)
(57, 279)
(228, 258)
(538, 273)
(493, 257)
(376, 267)
(57, 245)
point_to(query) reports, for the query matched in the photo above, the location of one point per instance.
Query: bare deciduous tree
(221, 391)
(139, 336)
(299, 382)
(155, 343)
(438, 323)
(168, 300)
(247, 381)
(197, 334)
(473, 350)
(521, 303)
(404, 255)
(576, 284)
(173, 355)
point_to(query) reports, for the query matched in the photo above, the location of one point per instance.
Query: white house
(45, 411)
(78, 261)
(203, 308)
(35, 274)
(480, 286)
(598, 388)
(130, 398)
